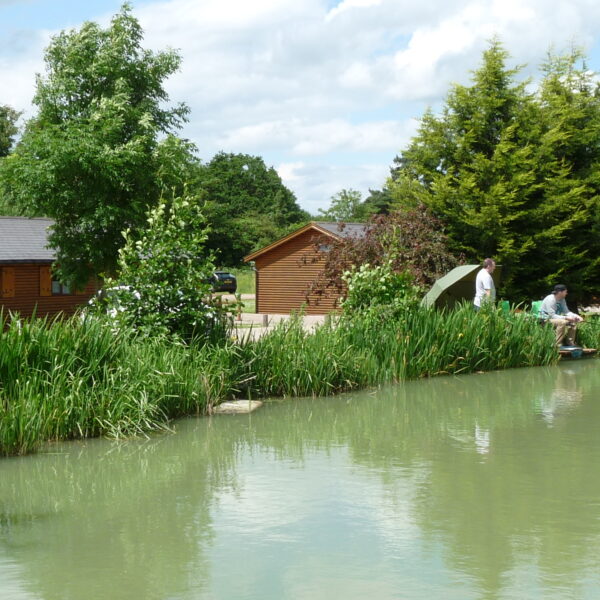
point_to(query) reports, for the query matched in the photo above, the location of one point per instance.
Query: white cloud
(346, 5)
(317, 182)
(289, 172)
(357, 75)
(335, 88)
(308, 138)
(20, 59)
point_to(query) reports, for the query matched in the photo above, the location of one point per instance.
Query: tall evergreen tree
(512, 173)
(568, 159)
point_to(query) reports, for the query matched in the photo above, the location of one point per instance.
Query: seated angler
(554, 309)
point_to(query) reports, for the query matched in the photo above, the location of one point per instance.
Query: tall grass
(67, 380)
(377, 348)
(588, 333)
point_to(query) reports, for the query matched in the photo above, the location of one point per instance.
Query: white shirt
(484, 282)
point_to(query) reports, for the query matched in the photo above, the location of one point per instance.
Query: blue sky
(326, 91)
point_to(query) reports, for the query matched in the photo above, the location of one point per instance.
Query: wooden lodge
(285, 269)
(26, 282)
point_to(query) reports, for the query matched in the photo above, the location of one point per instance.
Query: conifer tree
(513, 174)
(568, 159)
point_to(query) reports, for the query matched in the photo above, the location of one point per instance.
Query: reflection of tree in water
(529, 502)
(404, 423)
(130, 522)
(493, 483)
(471, 461)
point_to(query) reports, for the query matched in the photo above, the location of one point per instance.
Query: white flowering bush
(163, 286)
(378, 286)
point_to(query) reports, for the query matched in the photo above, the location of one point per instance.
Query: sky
(327, 92)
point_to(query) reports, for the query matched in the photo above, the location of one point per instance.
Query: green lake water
(483, 486)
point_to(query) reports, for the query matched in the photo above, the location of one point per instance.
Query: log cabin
(285, 269)
(27, 285)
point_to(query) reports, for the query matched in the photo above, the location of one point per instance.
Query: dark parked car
(224, 281)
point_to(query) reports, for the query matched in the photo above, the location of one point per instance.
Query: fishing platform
(576, 352)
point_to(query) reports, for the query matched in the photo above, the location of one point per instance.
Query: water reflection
(474, 487)
(132, 518)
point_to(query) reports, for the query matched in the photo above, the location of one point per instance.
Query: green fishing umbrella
(455, 286)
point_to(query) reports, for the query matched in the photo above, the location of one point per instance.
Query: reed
(588, 333)
(66, 380)
(293, 362)
(379, 346)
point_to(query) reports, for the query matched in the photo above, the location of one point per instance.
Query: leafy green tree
(8, 128)
(163, 286)
(346, 206)
(93, 158)
(247, 205)
(378, 201)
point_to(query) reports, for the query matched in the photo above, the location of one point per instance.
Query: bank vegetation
(73, 379)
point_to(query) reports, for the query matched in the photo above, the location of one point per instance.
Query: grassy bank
(370, 350)
(66, 380)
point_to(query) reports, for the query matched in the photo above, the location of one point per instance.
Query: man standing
(554, 309)
(485, 290)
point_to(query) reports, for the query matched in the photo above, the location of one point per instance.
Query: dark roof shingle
(24, 240)
(343, 229)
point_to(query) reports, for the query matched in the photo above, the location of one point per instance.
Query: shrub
(379, 285)
(411, 241)
(163, 287)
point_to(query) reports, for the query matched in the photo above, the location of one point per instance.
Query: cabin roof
(344, 230)
(25, 240)
(332, 229)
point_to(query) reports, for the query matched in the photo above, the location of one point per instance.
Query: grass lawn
(245, 280)
(249, 306)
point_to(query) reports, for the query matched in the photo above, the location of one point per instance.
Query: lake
(480, 486)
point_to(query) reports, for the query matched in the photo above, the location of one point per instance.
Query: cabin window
(50, 286)
(60, 289)
(324, 247)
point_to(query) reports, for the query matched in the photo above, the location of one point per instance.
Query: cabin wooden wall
(26, 288)
(282, 278)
